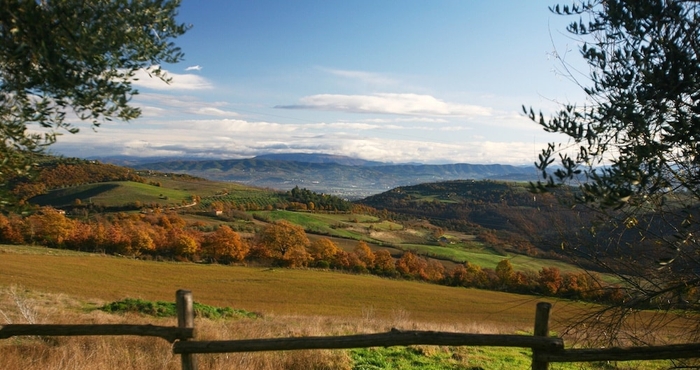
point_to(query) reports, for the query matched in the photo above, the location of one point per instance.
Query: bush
(167, 309)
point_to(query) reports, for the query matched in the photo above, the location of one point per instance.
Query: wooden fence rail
(392, 338)
(169, 333)
(545, 349)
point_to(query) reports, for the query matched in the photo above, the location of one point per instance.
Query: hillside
(505, 215)
(329, 176)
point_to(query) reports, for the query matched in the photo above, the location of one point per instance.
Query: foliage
(322, 249)
(403, 358)
(75, 57)
(168, 309)
(635, 146)
(314, 201)
(284, 242)
(225, 245)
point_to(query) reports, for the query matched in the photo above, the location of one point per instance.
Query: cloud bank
(388, 103)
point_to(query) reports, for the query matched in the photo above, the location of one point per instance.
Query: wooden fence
(545, 349)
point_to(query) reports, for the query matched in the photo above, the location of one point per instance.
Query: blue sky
(395, 81)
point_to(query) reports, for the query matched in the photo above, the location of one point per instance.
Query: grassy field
(172, 191)
(115, 193)
(66, 287)
(385, 233)
(277, 291)
(489, 259)
(350, 226)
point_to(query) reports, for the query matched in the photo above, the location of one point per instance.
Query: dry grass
(66, 289)
(87, 353)
(271, 291)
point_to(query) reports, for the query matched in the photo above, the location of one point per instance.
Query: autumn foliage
(281, 243)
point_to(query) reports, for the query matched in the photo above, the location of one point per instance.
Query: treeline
(306, 199)
(168, 236)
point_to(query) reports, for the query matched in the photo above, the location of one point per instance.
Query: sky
(394, 81)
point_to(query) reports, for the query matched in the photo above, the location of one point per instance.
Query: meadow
(383, 234)
(49, 286)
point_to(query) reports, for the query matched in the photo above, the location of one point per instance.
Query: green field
(352, 226)
(357, 227)
(172, 191)
(489, 260)
(114, 193)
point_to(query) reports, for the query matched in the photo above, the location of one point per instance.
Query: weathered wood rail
(545, 349)
(169, 333)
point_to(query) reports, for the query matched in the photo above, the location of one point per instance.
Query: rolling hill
(346, 177)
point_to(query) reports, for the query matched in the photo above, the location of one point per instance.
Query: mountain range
(351, 178)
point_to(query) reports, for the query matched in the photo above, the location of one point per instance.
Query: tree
(365, 254)
(184, 244)
(505, 273)
(384, 264)
(71, 56)
(323, 249)
(225, 245)
(635, 148)
(284, 242)
(410, 265)
(51, 227)
(550, 280)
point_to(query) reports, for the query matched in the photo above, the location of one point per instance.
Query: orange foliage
(434, 271)
(410, 265)
(225, 245)
(284, 242)
(323, 250)
(550, 280)
(383, 262)
(365, 254)
(50, 227)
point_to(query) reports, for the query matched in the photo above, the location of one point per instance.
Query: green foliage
(402, 358)
(58, 57)
(317, 201)
(634, 149)
(168, 309)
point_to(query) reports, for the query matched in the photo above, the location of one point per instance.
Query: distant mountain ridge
(337, 175)
(319, 158)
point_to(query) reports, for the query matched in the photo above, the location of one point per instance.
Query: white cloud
(404, 104)
(149, 111)
(179, 81)
(211, 111)
(365, 77)
(406, 119)
(236, 138)
(193, 68)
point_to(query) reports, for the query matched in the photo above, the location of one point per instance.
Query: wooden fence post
(541, 330)
(185, 319)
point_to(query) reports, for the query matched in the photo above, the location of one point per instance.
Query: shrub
(167, 309)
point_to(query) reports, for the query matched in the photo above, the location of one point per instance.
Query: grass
(115, 193)
(92, 353)
(168, 309)
(328, 224)
(171, 191)
(278, 291)
(489, 260)
(68, 288)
